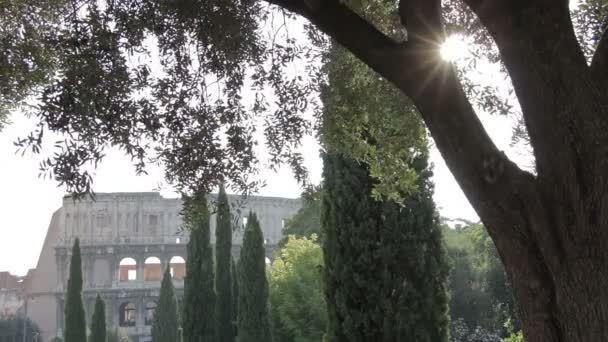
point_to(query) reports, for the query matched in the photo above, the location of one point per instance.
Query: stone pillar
(140, 322)
(112, 264)
(141, 260)
(89, 270)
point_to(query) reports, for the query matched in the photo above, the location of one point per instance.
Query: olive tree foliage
(182, 83)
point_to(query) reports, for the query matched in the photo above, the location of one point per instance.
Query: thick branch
(484, 173)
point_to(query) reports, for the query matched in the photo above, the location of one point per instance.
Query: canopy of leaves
(481, 299)
(180, 83)
(297, 303)
(187, 83)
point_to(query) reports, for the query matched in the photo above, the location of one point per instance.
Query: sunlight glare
(454, 48)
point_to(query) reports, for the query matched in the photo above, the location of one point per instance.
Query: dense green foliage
(75, 329)
(165, 325)
(235, 295)
(298, 310)
(307, 220)
(11, 329)
(382, 257)
(198, 319)
(98, 322)
(253, 319)
(481, 300)
(223, 276)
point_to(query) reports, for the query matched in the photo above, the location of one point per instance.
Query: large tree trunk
(550, 229)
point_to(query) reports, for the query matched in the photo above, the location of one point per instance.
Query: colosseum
(127, 239)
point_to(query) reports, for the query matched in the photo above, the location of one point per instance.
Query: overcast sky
(27, 201)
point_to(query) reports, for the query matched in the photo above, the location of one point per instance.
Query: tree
(298, 310)
(165, 324)
(544, 223)
(480, 295)
(253, 320)
(235, 296)
(98, 322)
(199, 295)
(11, 329)
(307, 220)
(75, 329)
(547, 226)
(223, 276)
(382, 257)
(382, 243)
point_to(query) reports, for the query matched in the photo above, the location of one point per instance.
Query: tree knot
(494, 167)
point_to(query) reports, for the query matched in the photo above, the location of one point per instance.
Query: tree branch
(599, 64)
(485, 173)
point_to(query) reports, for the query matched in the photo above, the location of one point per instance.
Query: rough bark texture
(551, 228)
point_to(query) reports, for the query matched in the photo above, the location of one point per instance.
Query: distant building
(127, 239)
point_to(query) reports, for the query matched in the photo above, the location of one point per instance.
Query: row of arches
(152, 270)
(127, 315)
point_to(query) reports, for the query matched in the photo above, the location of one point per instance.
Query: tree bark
(550, 229)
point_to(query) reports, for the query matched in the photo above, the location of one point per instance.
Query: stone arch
(150, 310)
(153, 269)
(127, 269)
(177, 267)
(127, 314)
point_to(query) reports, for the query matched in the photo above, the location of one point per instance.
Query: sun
(454, 48)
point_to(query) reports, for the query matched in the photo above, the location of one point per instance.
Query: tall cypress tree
(98, 322)
(165, 324)
(235, 296)
(199, 296)
(223, 279)
(75, 324)
(385, 270)
(253, 320)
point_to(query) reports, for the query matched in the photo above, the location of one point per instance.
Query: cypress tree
(385, 270)
(199, 296)
(165, 324)
(98, 322)
(223, 279)
(75, 324)
(235, 296)
(253, 320)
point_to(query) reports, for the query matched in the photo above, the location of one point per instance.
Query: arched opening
(127, 270)
(150, 309)
(177, 267)
(127, 315)
(152, 269)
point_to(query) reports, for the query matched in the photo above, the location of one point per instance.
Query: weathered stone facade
(126, 240)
